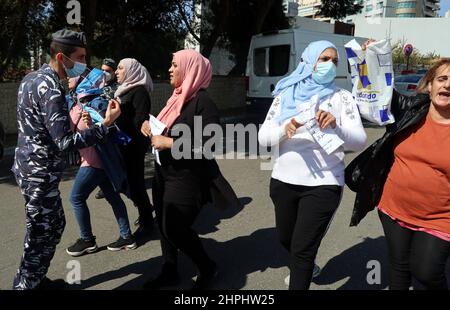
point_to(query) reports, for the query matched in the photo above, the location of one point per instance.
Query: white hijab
(135, 75)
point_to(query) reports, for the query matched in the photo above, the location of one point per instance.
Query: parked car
(2, 140)
(422, 71)
(407, 84)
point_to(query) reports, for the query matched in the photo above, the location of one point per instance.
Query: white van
(274, 55)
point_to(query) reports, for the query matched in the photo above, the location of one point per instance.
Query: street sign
(407, 50)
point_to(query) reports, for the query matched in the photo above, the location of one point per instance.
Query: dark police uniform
(111, 87)
(43, 134)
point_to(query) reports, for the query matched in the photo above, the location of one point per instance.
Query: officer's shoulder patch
(42, 88)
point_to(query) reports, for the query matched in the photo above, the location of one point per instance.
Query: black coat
(202, 175)
(367, 173)
(135, 107)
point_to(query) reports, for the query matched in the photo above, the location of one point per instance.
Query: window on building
(406, 5)
(380, 5)
(406, 15)
(369, 8)
(278, 60)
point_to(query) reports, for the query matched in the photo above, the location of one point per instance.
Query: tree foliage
(416, 60)
(22, 22)
(148, 30)
(232, 23)
(339, 9)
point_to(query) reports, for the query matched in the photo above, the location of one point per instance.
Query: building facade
(378, 8)
(310, 9)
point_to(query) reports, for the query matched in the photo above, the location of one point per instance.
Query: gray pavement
(243, 242)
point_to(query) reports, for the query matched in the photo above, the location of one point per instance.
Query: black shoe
(168, 277)
(121, 243)
(47, 284)
(99, 195)
(148, 221)
(206, 279)
(145, 229)
(82, 246)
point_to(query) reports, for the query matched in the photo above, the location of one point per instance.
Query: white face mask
(108, 76)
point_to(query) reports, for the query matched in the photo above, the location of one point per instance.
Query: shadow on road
(236, 258)
(352, 264)
(210, 217)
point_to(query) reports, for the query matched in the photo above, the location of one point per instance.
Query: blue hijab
(299, 86)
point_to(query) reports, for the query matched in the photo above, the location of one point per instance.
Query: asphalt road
(243, 242)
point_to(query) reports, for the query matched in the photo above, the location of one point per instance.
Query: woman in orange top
(406, 174)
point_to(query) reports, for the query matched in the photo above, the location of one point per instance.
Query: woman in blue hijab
(309, 125)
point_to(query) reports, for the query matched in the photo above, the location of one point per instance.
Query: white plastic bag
(372, 79)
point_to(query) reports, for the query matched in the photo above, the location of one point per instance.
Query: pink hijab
(196, 73)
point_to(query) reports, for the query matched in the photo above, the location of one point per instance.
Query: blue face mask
(325, 72)
(77, 69)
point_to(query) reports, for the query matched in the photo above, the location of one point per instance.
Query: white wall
(425, 34)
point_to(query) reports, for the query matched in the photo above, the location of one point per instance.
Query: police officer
(109, 67)
(43, 134)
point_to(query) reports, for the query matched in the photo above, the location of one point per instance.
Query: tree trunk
(241, 55)
(221, 18)
(263, 10)
(89, 27)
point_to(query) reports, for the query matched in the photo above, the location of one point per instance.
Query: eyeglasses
(327, 58)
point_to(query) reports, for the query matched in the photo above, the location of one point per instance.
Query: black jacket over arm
(135, 106)
(367, 173)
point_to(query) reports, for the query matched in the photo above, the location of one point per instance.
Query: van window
(278, 60)
(259, 62)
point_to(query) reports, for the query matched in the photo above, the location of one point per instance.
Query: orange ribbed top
(417, 189)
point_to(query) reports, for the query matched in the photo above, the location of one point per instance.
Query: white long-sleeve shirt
(301, 160)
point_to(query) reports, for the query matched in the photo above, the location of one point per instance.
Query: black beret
(110, 62)
(69, 37)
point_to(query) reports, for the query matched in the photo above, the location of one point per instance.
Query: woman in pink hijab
(183, 185)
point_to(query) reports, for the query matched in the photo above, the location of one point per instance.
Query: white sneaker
(287, 279)
(316, 273)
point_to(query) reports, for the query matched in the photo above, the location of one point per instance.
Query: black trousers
(134, 163)
(175, 222)
(414, 253)
(303, 214)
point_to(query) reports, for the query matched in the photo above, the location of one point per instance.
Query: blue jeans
(87, 179)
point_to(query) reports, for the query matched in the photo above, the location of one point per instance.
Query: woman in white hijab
(133, 94)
